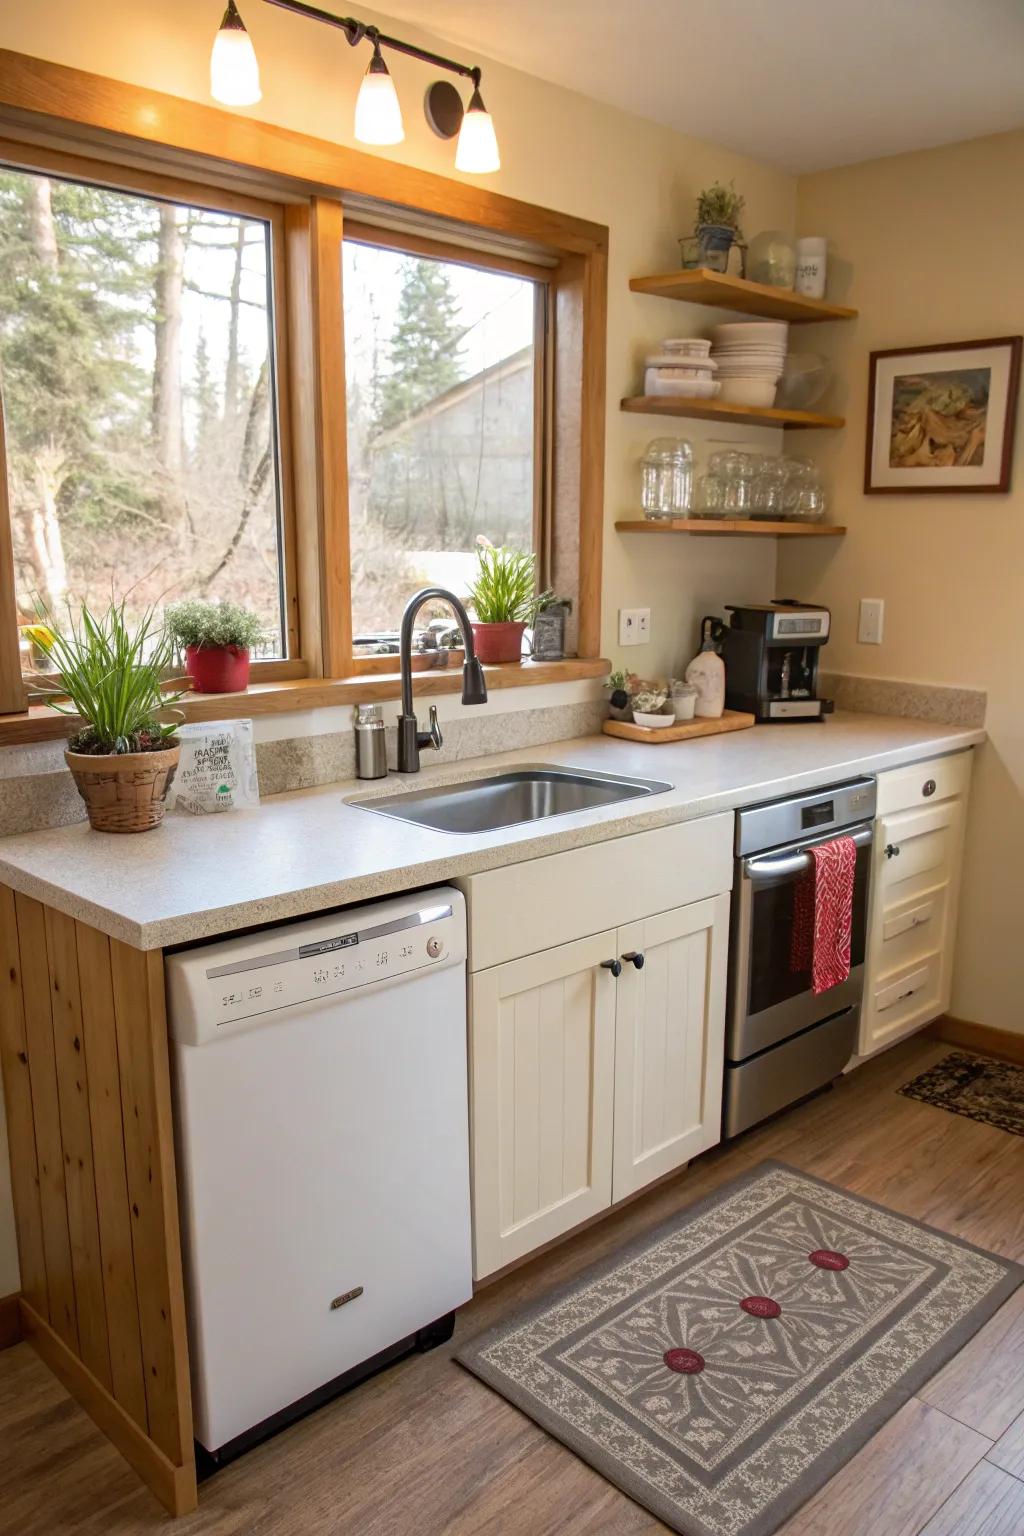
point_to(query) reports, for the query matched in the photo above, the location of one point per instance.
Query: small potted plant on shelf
(217, 640)
(111, 676)
(505, 599)
(718, 224)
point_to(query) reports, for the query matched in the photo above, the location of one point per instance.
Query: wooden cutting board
(731, 720)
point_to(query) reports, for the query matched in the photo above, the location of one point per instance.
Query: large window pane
(440, 376)
(136, 366)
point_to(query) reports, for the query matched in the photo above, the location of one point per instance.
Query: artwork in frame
(941, 418)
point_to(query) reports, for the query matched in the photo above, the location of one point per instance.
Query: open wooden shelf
(720, 410)
(749, 527)
(699, 285)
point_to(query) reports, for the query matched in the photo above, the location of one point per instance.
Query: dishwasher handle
(780, 866)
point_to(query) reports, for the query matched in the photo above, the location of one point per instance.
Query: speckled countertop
(304, 852)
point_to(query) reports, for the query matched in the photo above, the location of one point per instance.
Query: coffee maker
(771, 653)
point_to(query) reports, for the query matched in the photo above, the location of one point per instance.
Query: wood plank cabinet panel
(69, 1050)
(21, 1138)
(142, 1050)
(42, 1069)
(542, 1050)
(83, 1036)
(113, 1208)
(669, 1041)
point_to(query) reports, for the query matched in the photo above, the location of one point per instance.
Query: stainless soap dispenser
(371, 742)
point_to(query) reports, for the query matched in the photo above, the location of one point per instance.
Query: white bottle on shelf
(706, 673)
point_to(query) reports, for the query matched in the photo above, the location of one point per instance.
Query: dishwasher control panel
(216, 988)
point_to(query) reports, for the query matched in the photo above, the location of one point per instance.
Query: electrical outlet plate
(871, 621)
(634, 626)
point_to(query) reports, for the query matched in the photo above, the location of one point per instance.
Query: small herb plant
(615, 682)
(504, 591)
(110, 673)
(720, 205)
(210, 626)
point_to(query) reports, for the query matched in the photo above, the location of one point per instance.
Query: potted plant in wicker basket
(217, 639)
(505, 599)
(110, 675)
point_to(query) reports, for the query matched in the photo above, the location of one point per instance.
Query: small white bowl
(653, 722)
(748, 391)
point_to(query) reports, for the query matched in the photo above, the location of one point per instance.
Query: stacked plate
(751, 355)
(682, 367)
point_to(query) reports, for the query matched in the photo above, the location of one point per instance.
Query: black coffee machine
(771, 653)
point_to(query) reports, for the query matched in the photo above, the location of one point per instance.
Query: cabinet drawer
(928, 844)
(902, 788)
(912, 929)
(528, 907)
(900, 1002)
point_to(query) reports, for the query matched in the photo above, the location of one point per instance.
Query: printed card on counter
(217, 770)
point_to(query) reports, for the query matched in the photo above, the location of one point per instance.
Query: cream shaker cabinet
(918, 849)
(596, 1062)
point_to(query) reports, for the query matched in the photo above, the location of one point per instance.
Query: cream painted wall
(929, 249)
(558, 149)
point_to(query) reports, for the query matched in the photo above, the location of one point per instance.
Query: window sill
(39, 723)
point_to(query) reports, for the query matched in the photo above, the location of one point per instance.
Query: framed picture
(942, 418)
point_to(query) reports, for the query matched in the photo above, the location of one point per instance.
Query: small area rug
(720, 1369)
(975, 1086)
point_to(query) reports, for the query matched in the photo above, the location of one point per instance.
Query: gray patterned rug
(722, 1368)
(975, 1086)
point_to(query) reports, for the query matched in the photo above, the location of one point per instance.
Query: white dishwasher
(323, 1154)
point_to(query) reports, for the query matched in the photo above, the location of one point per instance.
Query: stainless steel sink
(508, 799)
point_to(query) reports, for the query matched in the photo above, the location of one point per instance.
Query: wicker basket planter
(124, 793)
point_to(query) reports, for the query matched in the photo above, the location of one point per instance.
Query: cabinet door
(913, 921)
(669, 1042)
(542, 1058)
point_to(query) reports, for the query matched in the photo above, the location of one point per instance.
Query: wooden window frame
(437, 248)
(314, 185)
(43, 160)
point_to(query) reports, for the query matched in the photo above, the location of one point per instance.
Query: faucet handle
(433, 736)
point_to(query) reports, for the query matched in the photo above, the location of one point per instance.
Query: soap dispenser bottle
(706, 672)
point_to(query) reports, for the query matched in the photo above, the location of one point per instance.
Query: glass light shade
(477, 149)
(234, 69)
(378, 112)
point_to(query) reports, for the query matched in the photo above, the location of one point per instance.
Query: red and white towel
(823, 914)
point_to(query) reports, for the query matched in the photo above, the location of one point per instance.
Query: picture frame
(941, 418)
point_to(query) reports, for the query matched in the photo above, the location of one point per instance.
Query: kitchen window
(191, 430)
(445, 364)
(139, 374)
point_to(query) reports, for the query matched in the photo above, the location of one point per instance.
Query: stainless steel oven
(782, 1039)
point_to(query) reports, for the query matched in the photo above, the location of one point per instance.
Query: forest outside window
(444, 378)
(137, 364)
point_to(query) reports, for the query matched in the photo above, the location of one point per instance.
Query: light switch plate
(634, 626)
(872, 621)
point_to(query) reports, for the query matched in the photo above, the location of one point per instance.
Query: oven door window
(779, 963)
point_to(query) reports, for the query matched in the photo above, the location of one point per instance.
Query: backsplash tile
(937, 702)
(36, 790)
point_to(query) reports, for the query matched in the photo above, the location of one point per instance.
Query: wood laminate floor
(426, 1449)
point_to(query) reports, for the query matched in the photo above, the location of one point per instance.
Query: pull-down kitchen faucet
(474, 690)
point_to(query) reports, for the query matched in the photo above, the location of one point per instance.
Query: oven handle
(780, 865)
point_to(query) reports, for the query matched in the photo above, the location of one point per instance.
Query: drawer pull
(928, 787)
(892, 850)
(637, 957)
(615, 966)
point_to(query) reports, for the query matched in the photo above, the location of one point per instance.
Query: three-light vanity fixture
(235, 81)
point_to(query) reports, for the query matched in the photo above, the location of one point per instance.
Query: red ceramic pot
(218, 668)
(498, 642)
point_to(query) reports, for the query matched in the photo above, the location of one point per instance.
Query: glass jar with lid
(667, 478)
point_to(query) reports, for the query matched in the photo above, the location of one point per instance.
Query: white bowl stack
(682, 367)
(751, 355)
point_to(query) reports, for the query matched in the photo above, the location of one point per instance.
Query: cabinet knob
(928, 787)
(891, 850)
(637, 958)
(615, 966)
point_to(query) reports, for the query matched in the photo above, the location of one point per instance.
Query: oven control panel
(816, 813)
